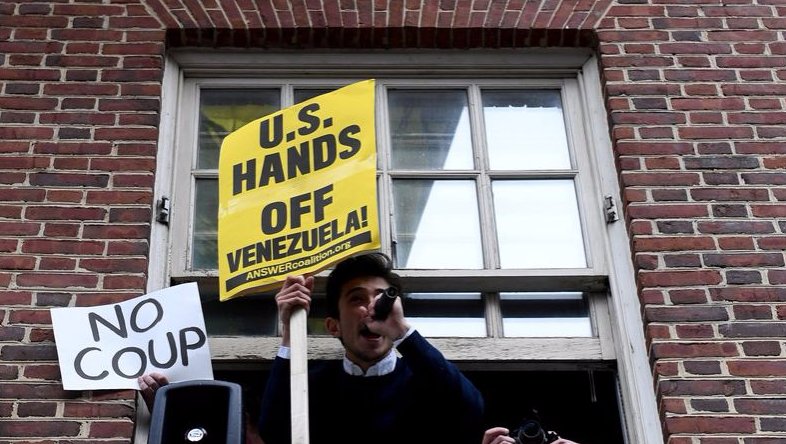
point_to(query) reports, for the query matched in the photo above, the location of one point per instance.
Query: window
(491, 187)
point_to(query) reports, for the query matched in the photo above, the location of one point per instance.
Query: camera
(531, 432)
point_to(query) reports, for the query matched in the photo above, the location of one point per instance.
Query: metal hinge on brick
(610, 205)
(162, 212)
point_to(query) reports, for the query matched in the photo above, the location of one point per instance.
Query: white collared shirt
(383, 367)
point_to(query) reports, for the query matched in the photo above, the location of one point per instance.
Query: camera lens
(530, 432)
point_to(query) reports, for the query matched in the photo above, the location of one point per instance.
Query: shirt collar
(383, 367)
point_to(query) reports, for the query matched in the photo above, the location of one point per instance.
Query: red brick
(736, 243)
(45, 409)
(132, 214)
(17, 262)
(749, 294)
(47, 246)
(52, 229)
(126, 133)
(119, 197)
(124, 282)
(35, 428)
(711, 424)
(757, 368)
(21, 316)
(768, 386)
(673, 243)
(690, 331)
(69, 179)
(718, 132)
(744, 259)
(11, 333)
(702, 387)
(761, 348)
(114, 265)
(688, 296)
(65, 213)
(110, 429)
(116, 231)
(42, 372)
(765, 211)
(97, 410)
(776, 277)
(667, 211)
(703, 367)
(761, 406)
(57, 263)
(54, 280)
(694, 350)
(686, 314)
(19, 228)
(736, 227)
(679, 278)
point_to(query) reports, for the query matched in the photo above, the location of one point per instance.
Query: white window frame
(619, 331)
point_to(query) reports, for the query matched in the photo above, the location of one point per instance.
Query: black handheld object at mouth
(385, 303)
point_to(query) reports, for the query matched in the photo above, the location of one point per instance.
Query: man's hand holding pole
(294, 300)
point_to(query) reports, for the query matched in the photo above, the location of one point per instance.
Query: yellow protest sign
(297, 191)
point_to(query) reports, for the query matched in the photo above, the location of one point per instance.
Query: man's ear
(331, 325)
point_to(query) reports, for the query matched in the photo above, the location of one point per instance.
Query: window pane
(249, 315)
(446, 314)
(222, 111)
(525, 130)
(301, 95)
(256, 315)
(538, 224)
(429, 130)
(545, 315)
(317, 312)
(204, 246)
(437, 224)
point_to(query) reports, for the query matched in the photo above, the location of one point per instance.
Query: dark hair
(368, 264)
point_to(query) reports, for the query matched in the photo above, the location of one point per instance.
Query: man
(372, 395)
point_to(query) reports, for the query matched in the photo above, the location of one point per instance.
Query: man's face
(362, 347)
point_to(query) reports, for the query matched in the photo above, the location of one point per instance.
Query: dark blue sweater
(425, 399)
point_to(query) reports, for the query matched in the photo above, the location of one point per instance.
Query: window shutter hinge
(610, 205)
(162, 212)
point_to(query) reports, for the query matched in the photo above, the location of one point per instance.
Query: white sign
(109, 346)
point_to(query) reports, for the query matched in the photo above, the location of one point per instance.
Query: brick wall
(696, 96)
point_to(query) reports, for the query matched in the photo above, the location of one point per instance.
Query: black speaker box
(202, 411)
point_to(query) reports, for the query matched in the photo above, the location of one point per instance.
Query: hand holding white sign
(110, 346)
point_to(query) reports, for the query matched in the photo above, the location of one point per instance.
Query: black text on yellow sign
(297, 190)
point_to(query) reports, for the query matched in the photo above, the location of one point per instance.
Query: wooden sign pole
(299, 376)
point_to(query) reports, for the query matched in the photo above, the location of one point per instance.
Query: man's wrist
(406, 334)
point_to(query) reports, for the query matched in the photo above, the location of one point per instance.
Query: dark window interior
(580, 405)
(577, 404)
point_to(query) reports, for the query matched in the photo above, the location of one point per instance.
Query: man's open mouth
(366, 333)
